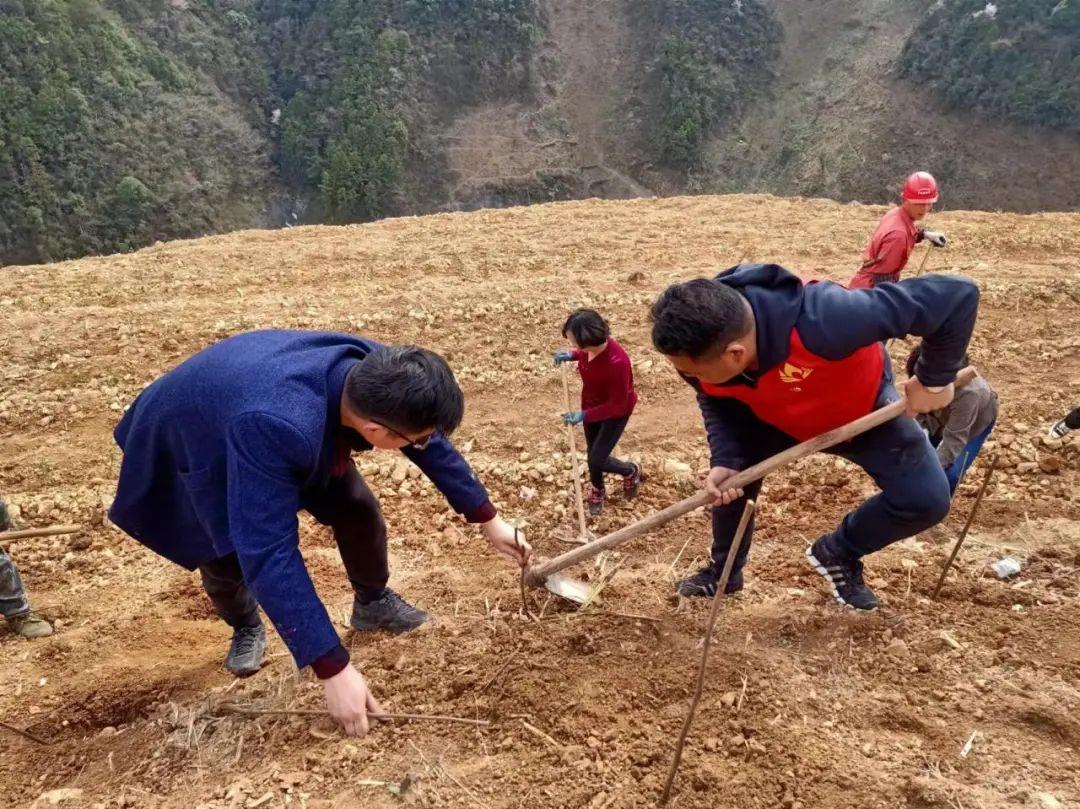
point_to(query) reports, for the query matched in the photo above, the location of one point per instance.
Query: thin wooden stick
(925, 258)
(500, 672)
(524, 568)
(25, 734)
(51, 531)
(538, 574)
(584, 536)
(714, 613)
(611, 614)
(967, 525)
(382, 717)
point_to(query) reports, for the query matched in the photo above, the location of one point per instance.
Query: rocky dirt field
(971, 701)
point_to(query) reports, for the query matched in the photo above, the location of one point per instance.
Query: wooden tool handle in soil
(537, 575)
(583, 533)
(714, 613)
(51, 531)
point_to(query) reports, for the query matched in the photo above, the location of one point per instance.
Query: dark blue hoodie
(834, 322)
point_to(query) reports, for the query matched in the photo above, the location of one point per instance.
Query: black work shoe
(596, 502)
(703, 584)
(391, 612)
(631, 484)
(845, 577)
(246, 653)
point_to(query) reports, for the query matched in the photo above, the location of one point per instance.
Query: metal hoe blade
(570, 589)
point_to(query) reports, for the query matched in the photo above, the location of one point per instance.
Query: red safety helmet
(920, 187)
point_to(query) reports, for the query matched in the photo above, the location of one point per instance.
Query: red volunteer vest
(807, 395)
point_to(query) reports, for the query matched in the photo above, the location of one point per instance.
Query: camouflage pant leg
(12, 593)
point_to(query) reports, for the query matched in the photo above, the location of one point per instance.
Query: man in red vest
(897, 234)
(776, 361)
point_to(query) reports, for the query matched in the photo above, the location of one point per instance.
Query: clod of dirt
(54, 797)
(897, 648)
(925, 793)
(1050, 464)
(676, 469)
(1044, 800)
(80, 542)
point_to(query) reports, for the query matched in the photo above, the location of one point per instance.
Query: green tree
(712, 56)
(130, 211)
(1021, 61)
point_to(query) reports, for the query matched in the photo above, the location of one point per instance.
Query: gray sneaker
(391, 612)
(844, 576)
(703, 583)
(246, 653)
(30, 625)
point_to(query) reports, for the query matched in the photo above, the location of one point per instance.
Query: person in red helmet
(897, 234)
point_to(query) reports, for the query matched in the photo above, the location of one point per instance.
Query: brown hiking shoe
(631, 484)
(30, 625)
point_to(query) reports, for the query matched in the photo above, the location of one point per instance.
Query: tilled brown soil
(805, 705)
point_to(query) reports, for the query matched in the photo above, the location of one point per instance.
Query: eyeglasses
(418, 444)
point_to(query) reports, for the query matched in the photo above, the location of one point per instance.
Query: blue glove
(563, 356)
(573, 417)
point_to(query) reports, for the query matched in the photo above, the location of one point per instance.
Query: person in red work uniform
(607, 400)
(776, 360)
(897, 234)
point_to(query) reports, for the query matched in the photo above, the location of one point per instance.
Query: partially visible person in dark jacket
(959, 430)
(223, 451)
(607, 400)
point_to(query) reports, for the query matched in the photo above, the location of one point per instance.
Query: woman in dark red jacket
(607, 400)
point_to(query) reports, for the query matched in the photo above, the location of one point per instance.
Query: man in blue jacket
(223, 451)
(776, 361)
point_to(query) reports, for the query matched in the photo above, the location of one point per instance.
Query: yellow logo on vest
(792, 374)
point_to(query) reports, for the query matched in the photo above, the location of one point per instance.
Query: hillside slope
(837, 120)
(841, 123)
(125, 122)
(804, 705)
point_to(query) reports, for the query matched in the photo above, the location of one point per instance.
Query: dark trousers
(897, 455)
(601, 438)
(349, 507)
(1072, 421)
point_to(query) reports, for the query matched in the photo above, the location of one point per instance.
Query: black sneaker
(845, 577)
(391, 612)
(631, 484)
(703, 584)
(596, 502)
(246, 653)
(1059, 430)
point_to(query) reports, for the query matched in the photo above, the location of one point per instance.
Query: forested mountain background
(124, 122)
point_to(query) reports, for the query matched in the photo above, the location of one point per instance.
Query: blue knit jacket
(218, 454)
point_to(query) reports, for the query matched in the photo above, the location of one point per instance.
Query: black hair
(407, 388)
(913, 360)
(696, 317)
(588, 328)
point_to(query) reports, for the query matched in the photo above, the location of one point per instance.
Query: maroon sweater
(607, 383)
